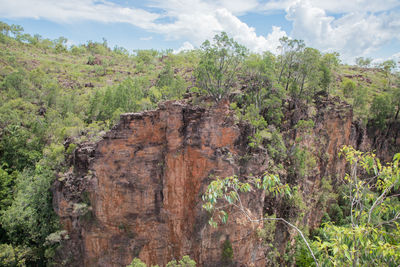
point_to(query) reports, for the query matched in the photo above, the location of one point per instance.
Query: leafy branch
(224, 193)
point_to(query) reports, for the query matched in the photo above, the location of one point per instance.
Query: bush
(136, 262)
(13, 256)
(305, 126)
(276, 147)
(348, 87)
(381, 110)
(227, 252)
(303, 161)
(186, 261)
(30, 218)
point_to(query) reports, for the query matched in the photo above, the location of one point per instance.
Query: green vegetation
(186, 261)
(223, 194)
(219, 64)
(51, 93)
(136, 262)
(363, 62)
(227, 252)
(369, 237)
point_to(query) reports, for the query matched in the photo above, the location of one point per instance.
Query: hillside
(74, 119)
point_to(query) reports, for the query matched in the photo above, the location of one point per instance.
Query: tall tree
(291, 50)
(219, 64)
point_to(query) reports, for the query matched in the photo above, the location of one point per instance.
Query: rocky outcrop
(330, 128)
(137, 192)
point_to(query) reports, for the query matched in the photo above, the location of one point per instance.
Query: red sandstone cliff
(137, 192)
(143, 183)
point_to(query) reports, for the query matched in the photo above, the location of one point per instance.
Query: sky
(354, 28)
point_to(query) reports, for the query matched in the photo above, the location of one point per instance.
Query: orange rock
(148, 175)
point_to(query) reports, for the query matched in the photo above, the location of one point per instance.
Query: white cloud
(185, 47)
(335, 6)
(237, 7)
(396, 56)
(193, 20)
(346, 6)
(198, 20)
(148, 38)
(175, 7)
(276, 5)
(353, 34)
(246, 35)
(71, 10)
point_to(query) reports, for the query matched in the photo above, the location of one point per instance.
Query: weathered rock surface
(142, 185)
(137, 192)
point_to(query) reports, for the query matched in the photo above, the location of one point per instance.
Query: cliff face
(332, 127)
(137, 192)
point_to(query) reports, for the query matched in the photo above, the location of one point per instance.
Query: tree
(16, 30)
(363, 62)
(348, 87)
(60, 44)
(15, 83)
(303, 70)
(258, 72)
(186, 261)
(396, 97)
(372, 237)
(223, 194)
(4, 28)
(219, 64)
(308, 70)
(6, 183)
(381, 109)
(291, 50)
(136, 262)
(328, 62)
(13, 256)
(387, 67)
(22, 134)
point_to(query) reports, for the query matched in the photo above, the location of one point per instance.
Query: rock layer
(137, 192)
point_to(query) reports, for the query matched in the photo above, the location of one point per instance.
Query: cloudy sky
(369, 28)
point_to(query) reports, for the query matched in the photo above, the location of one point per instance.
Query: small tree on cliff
(222, 194)
(219, 64)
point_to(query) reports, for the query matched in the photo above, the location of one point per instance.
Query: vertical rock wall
(142, 185)
(137, 192)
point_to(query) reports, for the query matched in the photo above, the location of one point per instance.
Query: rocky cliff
(137, 192)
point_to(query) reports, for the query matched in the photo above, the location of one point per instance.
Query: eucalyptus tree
(219, 64)
(363, 62)
(291, 50)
